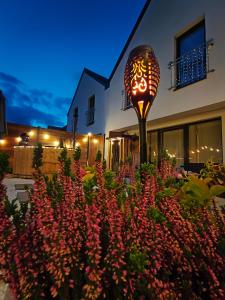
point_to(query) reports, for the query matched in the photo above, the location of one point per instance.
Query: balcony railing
(191, 67)
(126, 104)
(90, 115)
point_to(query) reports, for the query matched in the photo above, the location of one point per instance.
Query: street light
(141, 81)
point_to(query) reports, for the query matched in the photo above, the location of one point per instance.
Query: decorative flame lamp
(141, 81)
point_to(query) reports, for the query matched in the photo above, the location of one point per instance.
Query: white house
(187, 117)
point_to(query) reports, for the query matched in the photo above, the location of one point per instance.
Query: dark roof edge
(130, 38)
(102, 80)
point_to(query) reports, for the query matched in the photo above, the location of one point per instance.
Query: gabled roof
(130, 38)
(102, 80)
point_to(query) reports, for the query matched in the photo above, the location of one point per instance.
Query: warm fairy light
(77, 144)
(192, 152)
(46, 136)
(206, 147)
(89, 134)
(85, 140)
(31, 133)
(95, 141)
(2, 142)
(18, 139)
(202, 147)
(217, 150)
(198, 150)
(211, 149)
(67, 146)
(56, 143)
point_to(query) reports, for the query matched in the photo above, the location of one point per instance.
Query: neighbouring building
(187, 118)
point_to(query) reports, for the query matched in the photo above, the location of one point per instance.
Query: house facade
(187, 118)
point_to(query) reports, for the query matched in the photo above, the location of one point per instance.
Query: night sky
(44, 46)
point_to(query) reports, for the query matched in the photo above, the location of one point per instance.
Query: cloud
(32, 106)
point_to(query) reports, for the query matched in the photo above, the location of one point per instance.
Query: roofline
(129, 39)
(100, 79)
(107, 84)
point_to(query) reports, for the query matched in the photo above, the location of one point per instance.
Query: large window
(153, 145)
(205, 142)
(191, 56)
(173, 144)
(192, 144)
(91, 111)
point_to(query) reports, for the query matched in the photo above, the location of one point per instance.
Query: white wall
(159, 27)
(87, 88)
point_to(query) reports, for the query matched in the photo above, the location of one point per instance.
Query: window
(75, 119)
(173, 143)
(153, 145)
(91, 111)
(205, 142)
(192, 144)
(191, 56)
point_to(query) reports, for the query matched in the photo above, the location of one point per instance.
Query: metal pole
(143, 140)
(88, 150)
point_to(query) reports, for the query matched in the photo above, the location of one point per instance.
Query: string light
(31, 133)
(56, 143)
(18, 139)
(89, 134)
(85, 140)
(46, 136)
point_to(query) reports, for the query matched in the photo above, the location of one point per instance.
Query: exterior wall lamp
(141, 80)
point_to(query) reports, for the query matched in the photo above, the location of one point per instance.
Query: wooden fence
(23, 156)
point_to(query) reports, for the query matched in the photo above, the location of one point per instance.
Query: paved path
(10, 184)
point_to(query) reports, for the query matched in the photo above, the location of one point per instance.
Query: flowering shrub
(111, 239)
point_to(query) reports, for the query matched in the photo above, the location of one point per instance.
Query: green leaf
(216, 190)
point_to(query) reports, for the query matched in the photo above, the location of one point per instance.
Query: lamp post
(141, 81)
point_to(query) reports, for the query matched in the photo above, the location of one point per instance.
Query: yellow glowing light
(67, 145)
(211, 149)
(95, 141)
(85, 140)
(31, 133)
(2, 142)
(217, 150)
(198, 151)
(77, 144)
(140, 104)
(202, 148)
(56, 143)
(206, 147)
(192, 152)
(89, 134)
(18, 139)
(46, 136)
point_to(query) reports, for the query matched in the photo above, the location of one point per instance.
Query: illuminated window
(205, 142)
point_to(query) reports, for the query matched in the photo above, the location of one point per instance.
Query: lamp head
(141, 79)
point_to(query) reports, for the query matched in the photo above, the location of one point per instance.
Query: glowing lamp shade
(141, 79)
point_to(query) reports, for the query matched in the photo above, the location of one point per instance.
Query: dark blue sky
(45, 44)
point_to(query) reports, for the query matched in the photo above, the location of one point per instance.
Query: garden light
(141, 81)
